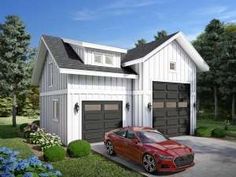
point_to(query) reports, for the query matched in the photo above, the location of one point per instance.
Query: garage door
(100, 117)
(171, 110)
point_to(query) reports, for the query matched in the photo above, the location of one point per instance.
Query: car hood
(170, 147)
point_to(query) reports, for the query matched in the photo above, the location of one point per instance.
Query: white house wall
(156, 68)
(88, 88)
(48, 94)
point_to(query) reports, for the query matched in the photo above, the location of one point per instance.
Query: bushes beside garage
(78, 148)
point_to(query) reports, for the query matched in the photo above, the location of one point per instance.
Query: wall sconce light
(76, 108)
(127, 106)
(149, 106)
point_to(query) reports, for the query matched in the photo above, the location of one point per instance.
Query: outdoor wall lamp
(127, 106)
(76, 107)
(149, 106)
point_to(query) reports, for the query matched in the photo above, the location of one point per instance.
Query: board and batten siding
(156, 68)
(59, 80)
(90, 88)
(50, 93)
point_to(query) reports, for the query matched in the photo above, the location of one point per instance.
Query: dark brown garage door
(100, 117)
(171, 108)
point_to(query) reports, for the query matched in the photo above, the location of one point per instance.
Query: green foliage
(44, 139)
(160, 34)
(140, 42)
(14, 42)
(201, 131)
(37, 122)
(31, 128)
(218, 133)
(78, 148)
(5, 106)
(54, 153)
(22, 126)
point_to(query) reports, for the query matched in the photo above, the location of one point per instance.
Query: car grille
(184, 160)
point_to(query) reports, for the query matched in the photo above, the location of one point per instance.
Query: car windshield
(151, 137)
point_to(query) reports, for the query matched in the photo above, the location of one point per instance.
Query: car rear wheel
(149, 163)
(109, 147)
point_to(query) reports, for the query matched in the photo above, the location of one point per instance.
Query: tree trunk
(14, 111)
(216, 102)
(233, 109)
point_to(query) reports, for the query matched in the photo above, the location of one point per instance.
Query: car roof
(135, 129)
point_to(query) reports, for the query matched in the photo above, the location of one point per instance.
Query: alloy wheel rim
(109, 147)
(149, 163)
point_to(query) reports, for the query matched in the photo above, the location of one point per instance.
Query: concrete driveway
(213, 157)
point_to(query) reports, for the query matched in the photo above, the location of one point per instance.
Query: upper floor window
(172, 66)
(103, 59)
(50, 74)
(98, 58)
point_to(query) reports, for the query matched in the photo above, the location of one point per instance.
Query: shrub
(54, 153)
(5, 106)
(44, 139)
(37, 122)
(12, 165)
(30, 129)
(78, 148)
(201, 131)
(218, 133)
(22, 126)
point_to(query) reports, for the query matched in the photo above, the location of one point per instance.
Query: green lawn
(212, 124)
(91, 166)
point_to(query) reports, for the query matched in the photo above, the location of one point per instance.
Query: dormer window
(97, 58)
(104, 59)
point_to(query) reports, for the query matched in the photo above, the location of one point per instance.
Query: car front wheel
(109, 147)
(149, 163)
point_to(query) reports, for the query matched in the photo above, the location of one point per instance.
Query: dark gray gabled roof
(67, 58)
(143, 50)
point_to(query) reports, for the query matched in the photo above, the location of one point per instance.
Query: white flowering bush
(13, 166)
(44, 139)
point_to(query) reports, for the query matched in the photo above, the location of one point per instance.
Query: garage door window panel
(93, 107)
(170, 104)
(111, 107)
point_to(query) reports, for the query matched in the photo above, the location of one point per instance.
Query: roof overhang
(95, 46)
(185, 44)
(97, 73)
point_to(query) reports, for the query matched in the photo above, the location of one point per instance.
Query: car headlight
(166, 157)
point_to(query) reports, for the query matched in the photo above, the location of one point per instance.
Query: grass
(212, 124)
(91, 166)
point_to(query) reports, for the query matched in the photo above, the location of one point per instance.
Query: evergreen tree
(160, 35)
(14, 41)
(208, 45)
(140, 42)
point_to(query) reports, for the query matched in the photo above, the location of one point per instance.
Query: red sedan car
(149, 148)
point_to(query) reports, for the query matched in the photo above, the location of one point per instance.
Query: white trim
(54, 118)
(185, 44)
(95, 46)
(97, 73)
(55, 92)
(102, 92)
(49, 52)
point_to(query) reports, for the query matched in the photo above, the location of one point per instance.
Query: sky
(118, 23)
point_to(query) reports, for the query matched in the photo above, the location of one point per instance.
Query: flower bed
(13, 166)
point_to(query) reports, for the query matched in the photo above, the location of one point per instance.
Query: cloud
(117, 8)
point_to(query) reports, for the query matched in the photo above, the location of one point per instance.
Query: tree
(140, 42)
(229, 66)
(160, 34)
(208, 45)
(14, 42)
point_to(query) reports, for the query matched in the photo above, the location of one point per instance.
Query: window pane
(172, 66)
(55, 109)
(50, 74)
(171, 104)
(93, 107)
(183, 104)
(121, 133)
(158, 105)
(130, 135)
(108, 60)
(97, 58)
(111, 107)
